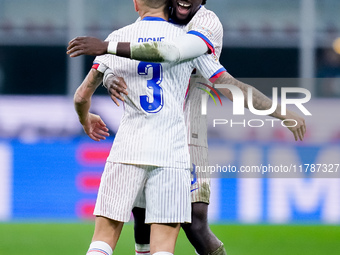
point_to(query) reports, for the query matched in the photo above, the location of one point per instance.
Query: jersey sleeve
(209, 66)
(206, 25)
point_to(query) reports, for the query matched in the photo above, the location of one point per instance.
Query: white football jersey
(206, 25)
(152, 129)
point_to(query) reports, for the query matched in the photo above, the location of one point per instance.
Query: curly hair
(204, 2)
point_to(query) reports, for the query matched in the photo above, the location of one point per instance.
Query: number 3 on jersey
(154, 83)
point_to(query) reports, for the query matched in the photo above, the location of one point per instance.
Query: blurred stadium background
(50, 171)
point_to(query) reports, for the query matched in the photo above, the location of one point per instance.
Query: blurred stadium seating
(50, 170)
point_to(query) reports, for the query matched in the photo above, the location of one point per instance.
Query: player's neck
(154, 13)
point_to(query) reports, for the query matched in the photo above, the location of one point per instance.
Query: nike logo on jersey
(193, 173)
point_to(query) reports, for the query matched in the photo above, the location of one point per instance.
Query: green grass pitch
(74, 239)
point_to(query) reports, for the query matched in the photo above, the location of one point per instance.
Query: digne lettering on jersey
(155, 39)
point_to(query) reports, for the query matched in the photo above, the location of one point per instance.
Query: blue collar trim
(153, 19)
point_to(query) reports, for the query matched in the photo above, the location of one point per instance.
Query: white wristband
(112, 48)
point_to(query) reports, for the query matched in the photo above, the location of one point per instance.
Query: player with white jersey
(150, 146)
(158, 104)
(203, 25)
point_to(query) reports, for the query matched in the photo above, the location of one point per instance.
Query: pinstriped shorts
(200, 178)
(167, 193)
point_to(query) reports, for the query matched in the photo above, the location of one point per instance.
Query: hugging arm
(92, 124)
(181, 48)
(115, 85)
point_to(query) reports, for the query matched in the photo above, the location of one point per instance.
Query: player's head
(184, 10)
(155, 3)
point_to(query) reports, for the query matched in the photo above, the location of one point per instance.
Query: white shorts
(200, 175)
(167, 193)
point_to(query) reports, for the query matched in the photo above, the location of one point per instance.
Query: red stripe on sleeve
(216, 76)
(95, 66)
